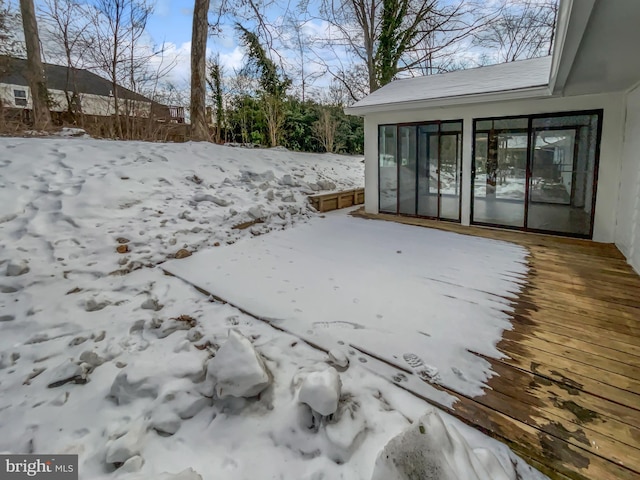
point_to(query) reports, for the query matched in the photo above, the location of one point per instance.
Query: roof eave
(518, 94)
(573, 18)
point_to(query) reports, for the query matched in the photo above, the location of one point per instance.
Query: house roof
(520, 76)
(86, 81)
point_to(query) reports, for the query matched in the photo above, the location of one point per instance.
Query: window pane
(562, 121)
(451, 127)
(450, 176)
(480, 178)
(484, 124)
(500, 178)
(511, 124)
(408, 167)
(20, 93)
(428, 170)
(562, 174)
(388, 168)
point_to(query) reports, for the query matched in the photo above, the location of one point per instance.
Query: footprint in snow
(400, 377)
(426, 372)
(339, 324)
(458, 373)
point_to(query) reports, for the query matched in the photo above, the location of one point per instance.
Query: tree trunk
(35, 70)
(199, 130)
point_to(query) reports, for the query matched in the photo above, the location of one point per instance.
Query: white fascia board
(533, 92)
(573, 17)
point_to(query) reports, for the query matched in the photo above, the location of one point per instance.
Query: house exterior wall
(91, 104)
(610, 147)
(628, 219)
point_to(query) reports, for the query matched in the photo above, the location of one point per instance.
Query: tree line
(273, 99)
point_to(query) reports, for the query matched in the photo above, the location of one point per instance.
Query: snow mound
(321, 391)
(237, 369)
(127, 446)
(72, 132)
(16, 269)
(143, 378)
(431, 450)
(338, 358)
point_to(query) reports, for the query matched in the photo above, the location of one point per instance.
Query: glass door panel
(407, 173)
(428, 147)
(419, 169)
(449, 176)
(500, 178)
(563, 158)
(388, 169)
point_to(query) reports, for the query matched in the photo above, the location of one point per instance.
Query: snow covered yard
(103, 355)
(420, 298)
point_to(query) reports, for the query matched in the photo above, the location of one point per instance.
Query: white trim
(573, 18)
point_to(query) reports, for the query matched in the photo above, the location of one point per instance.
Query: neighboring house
(547, 145)
(95, 94)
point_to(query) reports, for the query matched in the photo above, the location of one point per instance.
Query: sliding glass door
(500, 172)
(388, 168)
(537, 173)
(563, 168)
(408, 171)
(428, 185)
(450, 171)
(427, 176)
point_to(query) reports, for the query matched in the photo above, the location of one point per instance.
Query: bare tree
(275, 116)
(524, 30)
(10, 44)
(35, 70)
(299, 42)
(199, 130)
(446, 36)
(325, 129)
(214, 80)
(241, 87)
(386, 38)
(117, 26)
(66, 23)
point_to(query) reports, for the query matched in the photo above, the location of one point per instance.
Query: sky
(171, 23)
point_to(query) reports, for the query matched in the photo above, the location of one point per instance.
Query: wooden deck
(567, 394)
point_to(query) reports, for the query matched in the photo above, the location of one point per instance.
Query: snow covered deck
(566, 396)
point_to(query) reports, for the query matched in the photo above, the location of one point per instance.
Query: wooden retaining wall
(336, 200)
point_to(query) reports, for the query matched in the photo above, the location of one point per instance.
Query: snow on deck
(416, 297)
(519, 75)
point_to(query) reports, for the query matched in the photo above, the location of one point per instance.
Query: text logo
(49, 467)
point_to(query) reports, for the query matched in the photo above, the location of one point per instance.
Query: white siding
(628, 219)
(91, 104)
(610, 147)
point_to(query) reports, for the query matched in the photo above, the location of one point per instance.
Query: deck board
(566, 394)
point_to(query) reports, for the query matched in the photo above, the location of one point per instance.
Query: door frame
(596, 166)
(459, 160)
